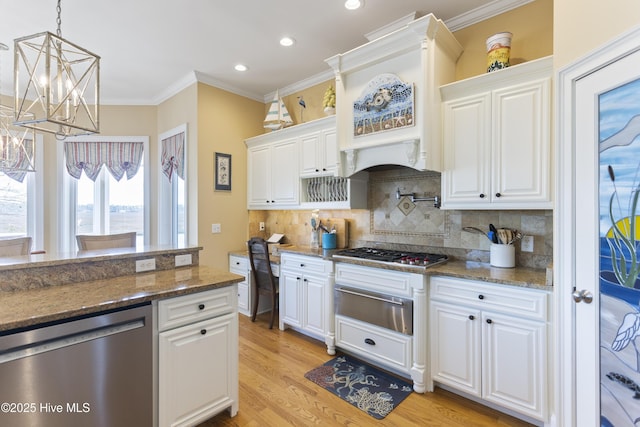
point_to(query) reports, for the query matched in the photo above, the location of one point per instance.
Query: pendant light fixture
(17, 144)
(56, 85)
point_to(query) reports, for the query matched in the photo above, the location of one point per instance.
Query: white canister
(502, 255)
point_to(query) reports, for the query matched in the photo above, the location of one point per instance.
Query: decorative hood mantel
(388, 98)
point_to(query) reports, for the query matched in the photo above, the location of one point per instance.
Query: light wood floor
(274, 391)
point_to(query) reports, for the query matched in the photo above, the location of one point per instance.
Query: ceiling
(150, 49)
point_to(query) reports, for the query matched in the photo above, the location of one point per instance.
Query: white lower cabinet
(490, 341)
(306, 296)
(391, 349)
(197, 357)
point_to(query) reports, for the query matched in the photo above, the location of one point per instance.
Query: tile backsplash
(397, 222)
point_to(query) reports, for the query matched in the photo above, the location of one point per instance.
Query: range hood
(388, 99)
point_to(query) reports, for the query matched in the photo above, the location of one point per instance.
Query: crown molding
(483, 13)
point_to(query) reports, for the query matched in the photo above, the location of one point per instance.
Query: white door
(602, 93)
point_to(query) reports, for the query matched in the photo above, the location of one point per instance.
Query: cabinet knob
(317, 170)
(472, 317)
(201, 306)
(498, 195)
(324, 169)
(489, 321)
(273, 201)
(480, 296)
(305, 280)
(301, 265)
(298, 278)
(203, 331)
(369, 341)
(482, 195)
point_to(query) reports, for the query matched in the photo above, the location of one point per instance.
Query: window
(106, 205)
(21, 203)
(172, 193)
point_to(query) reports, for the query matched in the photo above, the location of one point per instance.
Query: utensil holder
(329, 240)
(502, 255)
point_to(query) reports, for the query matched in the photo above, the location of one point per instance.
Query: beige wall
(532, 28)
(225, 120)
(180, 109)
(584, 25)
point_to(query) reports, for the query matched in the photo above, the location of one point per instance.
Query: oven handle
(369, 296)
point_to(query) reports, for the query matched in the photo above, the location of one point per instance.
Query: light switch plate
(216, 228)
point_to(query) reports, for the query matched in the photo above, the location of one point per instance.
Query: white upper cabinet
(319, 149)
(497, 139)
(273, 181)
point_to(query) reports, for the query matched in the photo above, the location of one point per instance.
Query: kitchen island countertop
(24, 308)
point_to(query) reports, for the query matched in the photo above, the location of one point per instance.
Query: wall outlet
(183, 260)
(145, 265)
(527, 244)
(261, 226)
(216, 228)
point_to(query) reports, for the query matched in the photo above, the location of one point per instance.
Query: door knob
(583, 295)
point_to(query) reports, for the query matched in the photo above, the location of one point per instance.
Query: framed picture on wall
(222, 167)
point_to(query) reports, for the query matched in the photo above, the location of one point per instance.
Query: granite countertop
(518, 276)
(30, 307)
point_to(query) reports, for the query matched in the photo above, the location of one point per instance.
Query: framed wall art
(223, 172)
(386, 103)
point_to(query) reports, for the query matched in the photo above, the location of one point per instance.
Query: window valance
(16, 159)
(118, 157)
(173, 155)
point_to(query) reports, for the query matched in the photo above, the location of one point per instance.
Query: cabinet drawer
(521, 302)
(191, 308)
(305, 264)
(387, 347)
(238, 263)
(378, 279)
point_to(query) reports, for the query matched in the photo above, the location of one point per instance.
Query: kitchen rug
(365, 387)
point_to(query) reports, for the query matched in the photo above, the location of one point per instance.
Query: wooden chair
(15, 246)
(88, 242)
(263, 281)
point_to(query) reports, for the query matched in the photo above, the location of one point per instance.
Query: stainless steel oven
(386, 311)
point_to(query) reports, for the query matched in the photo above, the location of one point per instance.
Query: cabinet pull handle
(489, 321)
(498, 195)
(472, 317)
(203, 331)
(480, 296)
(201, 307)
(369, 341)
(482, 195)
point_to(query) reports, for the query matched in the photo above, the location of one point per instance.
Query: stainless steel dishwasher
(88, 371)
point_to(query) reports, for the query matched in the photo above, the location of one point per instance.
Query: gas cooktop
(386, 256)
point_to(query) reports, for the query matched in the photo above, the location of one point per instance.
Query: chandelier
(17, 144)
(56, 85)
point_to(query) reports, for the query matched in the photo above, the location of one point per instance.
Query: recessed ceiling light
(353, 4)
(287, 41)
(241, 67)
